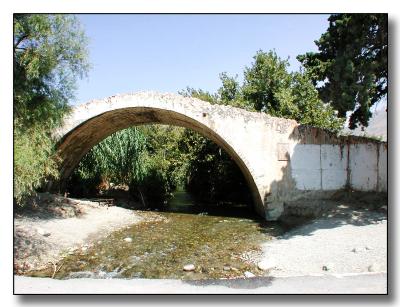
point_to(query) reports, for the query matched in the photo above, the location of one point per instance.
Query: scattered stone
(248, 274)
(356, 250)
(234, 269)
(266, 265)
(368, 248)
(227, 268)
(189, 267)
(129, 240)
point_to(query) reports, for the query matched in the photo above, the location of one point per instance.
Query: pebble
(248, 274)
(189, 267)
(266, 265)
(129, 240)
(327, 267)
(43, 232)
(373, 268)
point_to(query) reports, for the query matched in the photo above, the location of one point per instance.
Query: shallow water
(220, 241)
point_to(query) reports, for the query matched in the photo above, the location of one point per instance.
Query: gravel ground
(345, 241)
(59, 225)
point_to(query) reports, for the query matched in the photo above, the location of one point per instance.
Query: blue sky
(166, 53)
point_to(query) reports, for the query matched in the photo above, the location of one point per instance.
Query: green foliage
(199, 94)
(270, 88)
(212, 175)
(49, 53)
(119, 158)
(144, 158)
(266, 85)
(33, 160)
(351, 65)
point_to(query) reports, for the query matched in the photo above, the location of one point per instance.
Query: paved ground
(373, 283)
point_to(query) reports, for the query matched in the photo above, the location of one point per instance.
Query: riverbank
(343, 240)
(53, 226)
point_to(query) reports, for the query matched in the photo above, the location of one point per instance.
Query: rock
(248, 274)
(327, 267)
(189, 267)
(373, 268)
(356, 250)
(43, 232)
(129, 240)
(234, 269)
(227, 268)
(266, 265)
(84, 274)
(368, 248)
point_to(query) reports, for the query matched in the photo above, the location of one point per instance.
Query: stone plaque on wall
(283, 152)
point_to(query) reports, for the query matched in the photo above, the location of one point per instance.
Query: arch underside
(76, 143)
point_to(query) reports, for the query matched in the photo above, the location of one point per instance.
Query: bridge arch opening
(77, 142)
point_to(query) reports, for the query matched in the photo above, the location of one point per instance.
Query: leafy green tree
(266, 84)
(270, 88)
(33, 151)
(49, 53)
(350, 69)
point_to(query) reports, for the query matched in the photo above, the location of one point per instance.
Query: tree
(266, 84)
(270, 88)
(49, 54)
(351, 65)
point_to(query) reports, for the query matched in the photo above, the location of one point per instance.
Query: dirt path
(60, 225)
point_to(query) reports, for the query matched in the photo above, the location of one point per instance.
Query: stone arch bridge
(282, 161)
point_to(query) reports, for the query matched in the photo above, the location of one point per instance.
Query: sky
(167, 53)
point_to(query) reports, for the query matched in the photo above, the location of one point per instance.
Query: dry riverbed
(343, 240)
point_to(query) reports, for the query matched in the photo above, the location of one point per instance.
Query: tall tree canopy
(50, 52)
(269, 87)
(350, 69)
